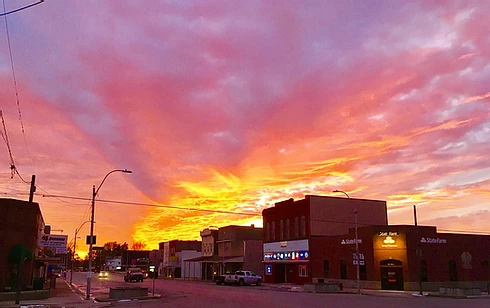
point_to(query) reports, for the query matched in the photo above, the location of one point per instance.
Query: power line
(231, 212)
(13, 70)
(19, 9)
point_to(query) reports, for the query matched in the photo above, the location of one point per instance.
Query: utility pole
(419, 249)
(33, 188)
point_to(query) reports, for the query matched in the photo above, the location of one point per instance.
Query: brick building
(290, 227)
(22, 226)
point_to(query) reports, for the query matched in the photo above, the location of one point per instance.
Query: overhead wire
(13, 75)
(232, 212)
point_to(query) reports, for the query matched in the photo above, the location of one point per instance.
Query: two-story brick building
(20, 231)
(291, 226)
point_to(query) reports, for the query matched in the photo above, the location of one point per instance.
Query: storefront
(287, 262)
(396, 257)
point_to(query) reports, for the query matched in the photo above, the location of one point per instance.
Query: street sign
(61, 251)
(94, 240)
(97, 248)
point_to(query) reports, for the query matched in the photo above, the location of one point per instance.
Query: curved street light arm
(105, 177)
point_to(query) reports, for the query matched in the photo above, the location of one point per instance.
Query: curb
(107, 299)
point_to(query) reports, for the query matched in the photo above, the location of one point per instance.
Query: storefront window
(303, 226)
(326, 268)
(268, 231)
(362, 272)
(453, 271)
(296, 227)
(303, 271)
(268, 269)
(343, 269)
(273, 231)
(281, 229)
(288, 235)
(423, 271)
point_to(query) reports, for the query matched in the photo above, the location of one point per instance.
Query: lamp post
(91, 238)
(75, 248)
(357, 244)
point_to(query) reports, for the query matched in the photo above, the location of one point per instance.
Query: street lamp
(91, 238)
(75, 249)
(357, 243)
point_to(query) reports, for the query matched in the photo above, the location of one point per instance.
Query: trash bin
(38, 283)
(52, 282)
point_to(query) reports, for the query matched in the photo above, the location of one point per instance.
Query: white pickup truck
(243, 278)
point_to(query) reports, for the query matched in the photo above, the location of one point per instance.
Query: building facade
(396, 257)
(291, 226)
(229, 249)
(20, 232)
(175, 253)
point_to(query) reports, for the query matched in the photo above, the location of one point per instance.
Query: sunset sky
(235, 105)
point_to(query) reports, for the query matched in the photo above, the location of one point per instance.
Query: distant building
(113, 263)
(174, 254)
(227, 250)
(135, 258)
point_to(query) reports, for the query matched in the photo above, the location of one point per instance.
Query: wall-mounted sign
(350, 241)
(388, 233)
(61, 251)
(389, 242)
(431, 240)
(51, 240)
(290, 255)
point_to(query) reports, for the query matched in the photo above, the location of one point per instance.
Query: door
(280, 273)
(391, 275)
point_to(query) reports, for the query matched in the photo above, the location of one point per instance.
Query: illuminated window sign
(268, 269)
(286, 255)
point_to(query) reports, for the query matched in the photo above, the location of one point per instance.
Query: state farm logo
(431, 240)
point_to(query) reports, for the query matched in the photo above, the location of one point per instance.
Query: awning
(217, 259)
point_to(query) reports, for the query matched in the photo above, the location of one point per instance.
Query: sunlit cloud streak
(234, 106)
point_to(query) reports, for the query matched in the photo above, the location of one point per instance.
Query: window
(296, 227)
(453, 270)
(273, 231)
(326, 268)
(303, 271)
(423, 271)
(268, 231)
(281, 229)
(288, 235)
(362, 272)
(268, 269)
(303, 226)
(343, 269)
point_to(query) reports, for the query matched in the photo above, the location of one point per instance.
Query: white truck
(243, 278)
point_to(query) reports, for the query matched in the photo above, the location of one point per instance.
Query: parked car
(103, 274)
(219, 279)
(133, 274)
(243, 278)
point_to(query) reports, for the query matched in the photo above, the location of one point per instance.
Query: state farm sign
(52, 240)
(431, 240)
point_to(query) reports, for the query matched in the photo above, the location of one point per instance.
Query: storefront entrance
(284, 273)
(391, 275)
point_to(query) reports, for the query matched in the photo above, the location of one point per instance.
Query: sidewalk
(62, 296)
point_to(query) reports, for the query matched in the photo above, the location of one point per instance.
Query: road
(180, 293)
